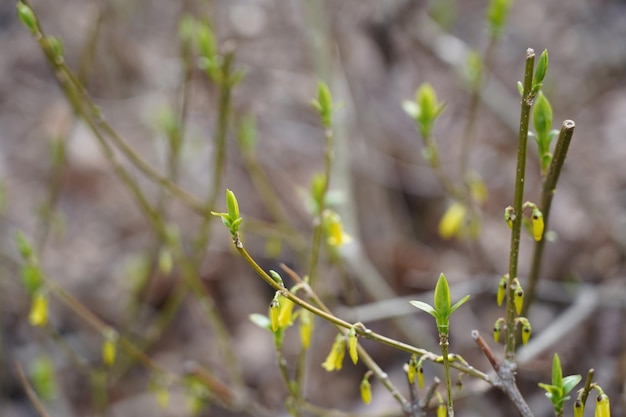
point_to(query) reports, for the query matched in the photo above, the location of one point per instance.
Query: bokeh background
(96, 244)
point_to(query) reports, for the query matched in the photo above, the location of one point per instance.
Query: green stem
(548, 191)
(220, 152)
(317, 231)
(443, 343)
(527, 101)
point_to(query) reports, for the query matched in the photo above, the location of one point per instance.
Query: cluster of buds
(534, 224)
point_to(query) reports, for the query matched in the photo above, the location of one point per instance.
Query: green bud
(206, 41)
(442, 296)
(428, 109)
(56, 47)
(41, 371)
(276, 277)
(32, 277)
(542, 119)
(232, 205)
(24, 246)
(27, 16)
(542, 68)
(497, 14)
(318, 186)
(520, 88)
(324, 104)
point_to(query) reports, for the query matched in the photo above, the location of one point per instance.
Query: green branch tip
(231, 219)
(27, 17)
(442, 310)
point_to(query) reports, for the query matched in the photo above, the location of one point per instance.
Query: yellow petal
(286, 308)
(452, 220)
(306, 328)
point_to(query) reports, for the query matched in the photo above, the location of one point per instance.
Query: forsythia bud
(274, 312)
(366, 391)
(497, 328)
(108, 352)
(420, 376)
(38, 315)
(452, 220)
(352, 346)
(306, 328)
(579, 410)
(603, 408)
(526, 331)
(537, 222)
(334, 360)
(502, 289)
(442, 410)
(519, 299)
(412, 369)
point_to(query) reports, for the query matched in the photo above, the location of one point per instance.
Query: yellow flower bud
(526, 331)
(412, 369)
(502, 289)
(496, 331)
(334, 230)
(352, 346)
(274, 312)
(334, 360)
(442, 410)
(162, 396)
(537, 223)
(38, 315)
(366, 391)
(509, 216)
(452, 220)
(109, 346)
(519, 299)
(109, 350)
(420, 377)
(579, 410)
(306, 328)
(603, 408)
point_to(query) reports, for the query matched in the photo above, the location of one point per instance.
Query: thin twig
(527, 101)
(548, 191)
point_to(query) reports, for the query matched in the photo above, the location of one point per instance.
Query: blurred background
(94, 242)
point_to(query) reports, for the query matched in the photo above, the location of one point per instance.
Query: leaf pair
(442, 309)
(560, 387)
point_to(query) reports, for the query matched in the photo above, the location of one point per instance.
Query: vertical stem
(317, 232)
(443, 343)
(220, 152)
(527, 101)
(549, 188)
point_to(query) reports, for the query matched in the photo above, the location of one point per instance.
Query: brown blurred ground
(374, 55)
